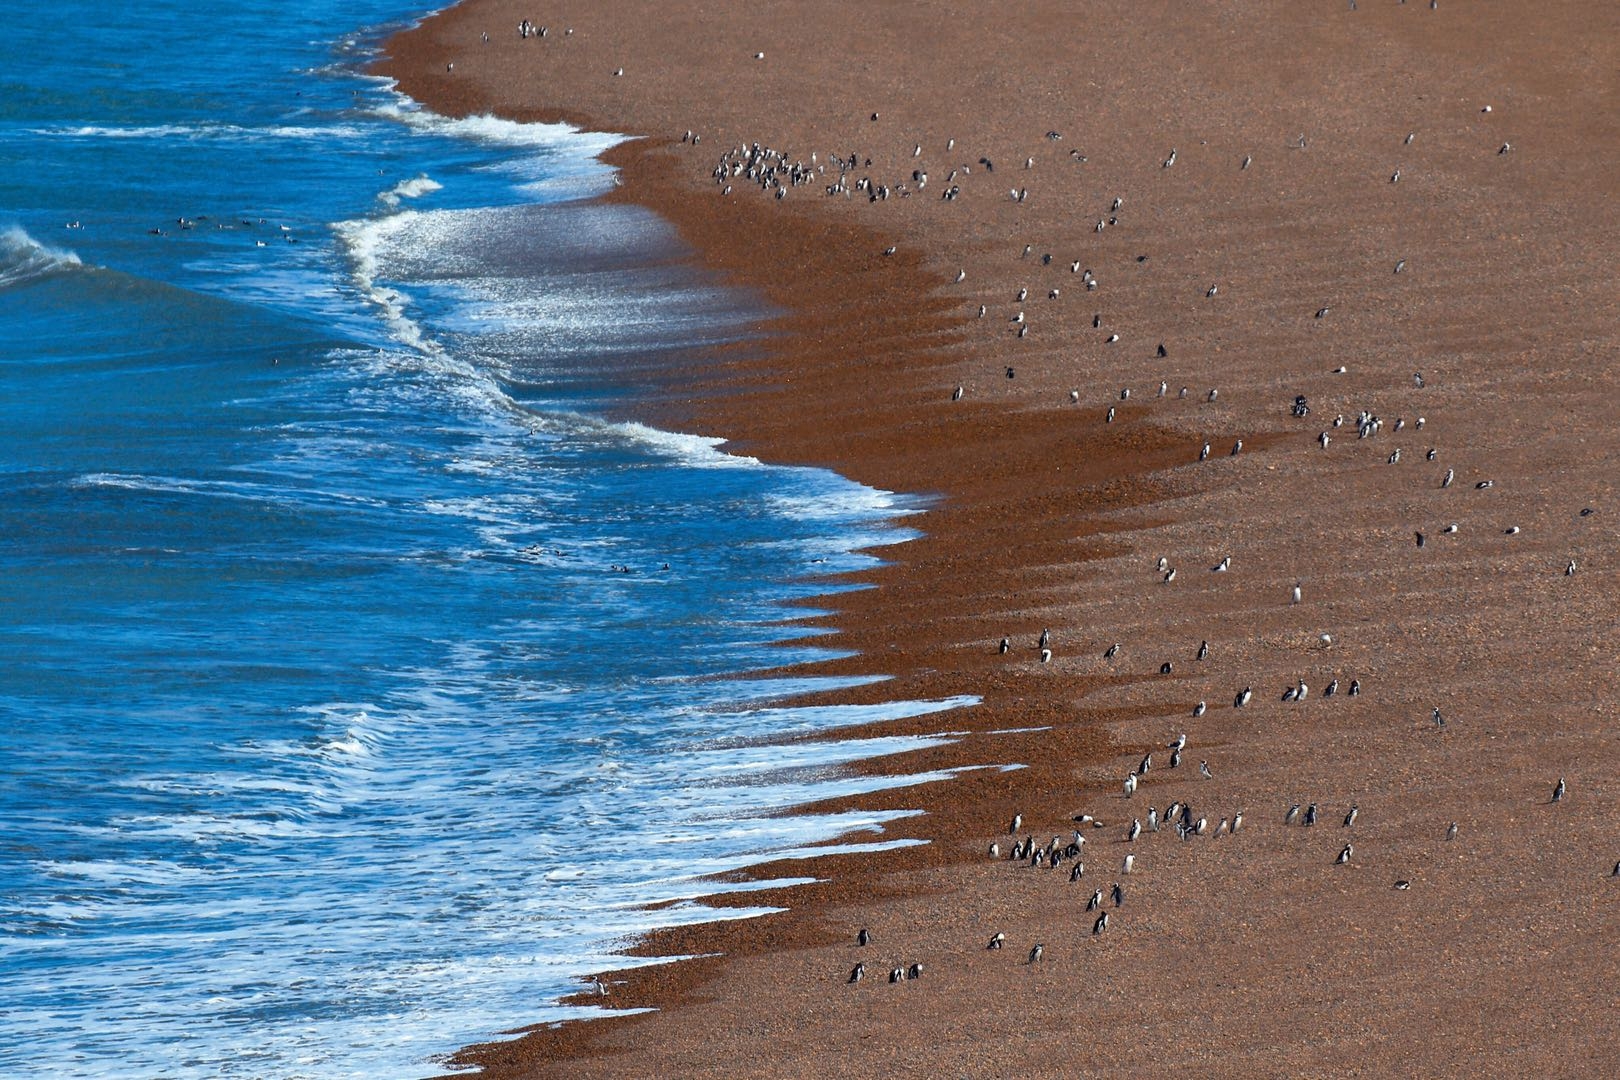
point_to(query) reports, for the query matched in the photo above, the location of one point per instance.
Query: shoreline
(1048, 514)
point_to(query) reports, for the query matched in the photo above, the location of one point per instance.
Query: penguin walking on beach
(863, 938)
(1344, 854)
(997, 940)
(857, 973)
(1558, 792)
(1036, 952)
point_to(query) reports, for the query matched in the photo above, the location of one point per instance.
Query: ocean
(363, 681)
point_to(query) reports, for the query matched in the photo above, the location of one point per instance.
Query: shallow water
(360, 686)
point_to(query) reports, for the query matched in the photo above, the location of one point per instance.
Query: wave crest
(24, 259)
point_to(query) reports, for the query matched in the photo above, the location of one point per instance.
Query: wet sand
(1248, 954)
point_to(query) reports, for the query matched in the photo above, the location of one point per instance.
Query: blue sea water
(360, 678)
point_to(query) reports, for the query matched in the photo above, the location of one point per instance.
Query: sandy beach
(1031, 260)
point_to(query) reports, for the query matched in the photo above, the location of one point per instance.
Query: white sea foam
(414, 188)
(362, 240)
(24, 259)
(495, 130)
(199, 132)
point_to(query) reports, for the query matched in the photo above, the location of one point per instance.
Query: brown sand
(1241, 955)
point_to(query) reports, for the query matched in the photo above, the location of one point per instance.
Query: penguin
(857, 973)
(997, 940)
